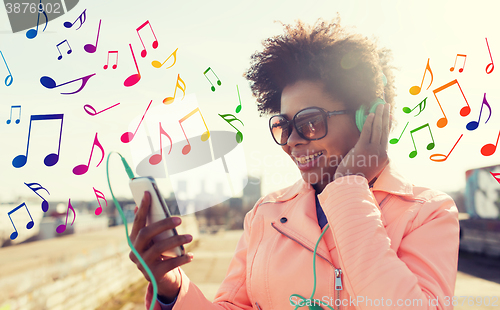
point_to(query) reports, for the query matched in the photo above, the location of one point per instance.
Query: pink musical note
(169, 100)
(491, 63)
(28, 226)
(155, 43)
(49, 83)
(82, 169)
(61, 228)
(461, 69)
(415, 90)
(473, 124)
(495, 175)
(128, 136)
(134, 78)
(35, 187)
(442, 122)
(98, 195)
(69, 49)
(155, 159)
(489, 149)
(82, 18)
(157, 64)
(90, 48)
(91, 111)
(204, 137)
(116, 63)
(444, 157)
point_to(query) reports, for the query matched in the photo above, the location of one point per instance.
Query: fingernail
(135, 210)
(176, 220)
(190, 255)
(189, 238)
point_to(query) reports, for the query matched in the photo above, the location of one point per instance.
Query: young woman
(382, 242)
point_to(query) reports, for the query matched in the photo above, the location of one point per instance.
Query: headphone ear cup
(361, 116)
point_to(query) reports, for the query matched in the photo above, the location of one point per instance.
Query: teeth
(306, 159)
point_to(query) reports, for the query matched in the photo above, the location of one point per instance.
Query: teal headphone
(361, 115)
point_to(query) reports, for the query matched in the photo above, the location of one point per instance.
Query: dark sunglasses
(310, 123)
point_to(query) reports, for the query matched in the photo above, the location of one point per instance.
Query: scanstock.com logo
(23, 14)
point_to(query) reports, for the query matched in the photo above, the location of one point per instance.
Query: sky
(223, 35)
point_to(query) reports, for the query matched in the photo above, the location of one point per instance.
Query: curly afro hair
(349, 65)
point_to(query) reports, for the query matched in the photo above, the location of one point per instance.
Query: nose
(295, 139)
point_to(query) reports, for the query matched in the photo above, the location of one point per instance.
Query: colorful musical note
(82, 18)
(134, 78)
(155, 43)
(90, 48)
(35, 187)
(49, 83)
(169, 100)
(116, 62)
(28, 226)
(415, 90)
(10, 74)
(51, 159)
(91, 111)
(495, 175)
(128, 136)
(489, 149)
(430, 146)
(98, 195)
(473, 124)
(69, 49)
(488, 71)
(226, 117)
(396, 140)
(218, 80)
(238, 108)
(32, 33)
(461, 69)
(19, 118)
(61, 228)
(82, 169)
(155, 159)
(442, 122)
(421, 106)
(442, 157)
(157, 64)
(204, 137)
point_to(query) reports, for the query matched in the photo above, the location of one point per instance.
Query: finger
(141, 216)
(377, 125)
(366, 132)
(173, 263)
(145, 235)
(385, 127)
(167, 245)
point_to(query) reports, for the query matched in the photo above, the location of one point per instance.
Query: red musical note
(116, 62)
(491, 63)
(134, 78)
(442, 122)
(489, 149)
(421, 106)
(128, 136)
(169, 100)
(90, 48)
(61, 228)
(204, 137)
(430, 146)
(93, 112)
(82, 18)
(157, 64)
(82, 169)
(415, 90)
(155, 43)
(35, 187)
(495, 175)
(155, 159)
(49, 83)
(98, 195)
(461, 69)
(444, 157)
(28, 226)
(473, 124)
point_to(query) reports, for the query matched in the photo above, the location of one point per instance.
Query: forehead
(305, 94)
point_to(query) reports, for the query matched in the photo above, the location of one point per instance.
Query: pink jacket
(393, 246)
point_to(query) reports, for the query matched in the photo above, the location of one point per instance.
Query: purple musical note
(473, 124)
(90, 48)
(82, 18)
(49, 82)
(61, 228)
(82, 169)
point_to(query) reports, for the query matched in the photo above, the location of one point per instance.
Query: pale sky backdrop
(223, 35)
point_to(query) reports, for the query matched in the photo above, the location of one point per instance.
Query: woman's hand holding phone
(164, 268)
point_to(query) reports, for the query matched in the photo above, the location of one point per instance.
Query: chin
(320, 175)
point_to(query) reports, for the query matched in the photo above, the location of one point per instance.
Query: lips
(305, 162)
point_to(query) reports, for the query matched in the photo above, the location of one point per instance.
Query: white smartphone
(158, 210)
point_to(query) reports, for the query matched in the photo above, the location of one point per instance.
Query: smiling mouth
(306, 159)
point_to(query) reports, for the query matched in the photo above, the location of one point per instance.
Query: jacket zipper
(338, 271)
(258, 307)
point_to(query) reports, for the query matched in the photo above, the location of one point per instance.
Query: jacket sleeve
(424, 267)
(232, 294)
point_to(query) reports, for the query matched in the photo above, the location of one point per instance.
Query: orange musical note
(442, 122)
(204, 137)
(61, 228)
(157, 64)
(82, 169)
(489, 149)
(491, 63)
(169, 100)
(396, 140)
(415, 90)
(444, 157)
(98, 195)
(461, 69)
(226, 117)
(155, 159)
(421, 106)
(155, 43)
(430, 146)
(28, 226)
(128, 136)
(136, 77)
(116, 62)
